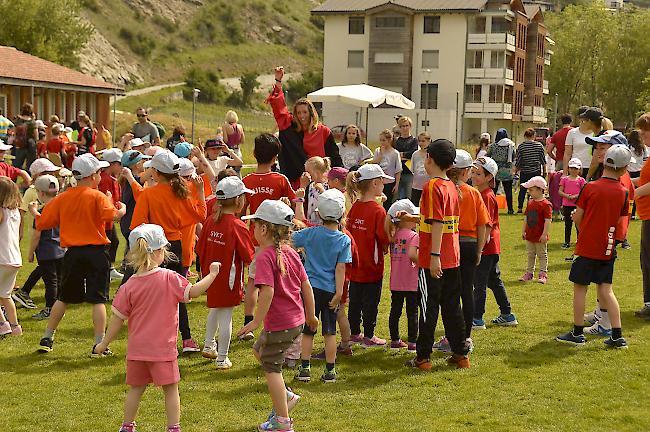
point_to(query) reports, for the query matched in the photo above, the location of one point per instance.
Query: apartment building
(469, 65)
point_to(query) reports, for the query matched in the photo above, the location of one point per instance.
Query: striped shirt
(5, 124)
(531, 157)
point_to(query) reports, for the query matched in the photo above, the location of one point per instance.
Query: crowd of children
(308, 252)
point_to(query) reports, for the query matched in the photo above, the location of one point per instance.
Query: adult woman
(590, 122)
(530, 161)
(233, 132)
(301, 134)
(502, 150)
(406, 144)
(26, 136)
(87, 136)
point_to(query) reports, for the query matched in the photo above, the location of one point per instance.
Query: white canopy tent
(361, 95)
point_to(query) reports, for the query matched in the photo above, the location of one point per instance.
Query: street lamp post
(195, 94)
(426, 98)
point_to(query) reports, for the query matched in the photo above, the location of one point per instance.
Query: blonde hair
(318, 163)
(405, 119)
(454, 176)
(9, 194)
(387, 133)
(280, 235)
(141, 259)
(236, 203)
(355, 188)
(232, 117)
(606, 124)
(424, 134)
(56, 130)
(313, 115)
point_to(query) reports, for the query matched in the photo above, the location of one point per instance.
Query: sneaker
(292, 401)
(505, 320)
(566, 245)
(45, 345)
(5, 328)
(223, 364)
(190, 346)
(470, 344)
(397, 344)
(42, 315)
(542, 277)
(570, 258)
(571, 339)
(304, 373)
(442, 345)
(17, 330)
(128, 427)
(520, 211)
(356, 339)
(23, 299)
(619, 343)
(373, 342)
(592, 317)
(344, 350)
(598, 330)
(115, 275)
(644, 312)
(209, 352)
(478, 324)
(107, 353)
(274, 425)
(626, 245)
(411, 347)
(461, 361)
(526, 277)
(247, 336)
(424, 365)
(329, 376)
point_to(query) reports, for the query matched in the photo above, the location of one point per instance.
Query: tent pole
(367, 133)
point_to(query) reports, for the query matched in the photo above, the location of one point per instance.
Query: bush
(165, 24)
(206, 81)
(307, 83)
(249, 84)
(140, 43)
(318, 21)
(231, 25)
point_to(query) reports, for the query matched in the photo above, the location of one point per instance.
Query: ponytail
(454, 176)
(230, 203)
(280, 235)
(355, 188)
(141, 259)
(178, 184)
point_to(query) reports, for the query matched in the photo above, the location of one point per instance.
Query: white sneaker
(598, 330)
(223, 364)
(292, 400)
(247, 336)
(592, 317)
(116, 275)
(209, 352)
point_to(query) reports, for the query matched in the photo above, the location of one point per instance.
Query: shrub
(206, 81)
(307, 83)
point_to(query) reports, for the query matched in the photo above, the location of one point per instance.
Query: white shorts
(7, 280)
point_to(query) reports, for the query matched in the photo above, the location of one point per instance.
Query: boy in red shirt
(439, 284)
(55, 146)
(595, 249)
(108, 184)
(10, 171)
(537, 225)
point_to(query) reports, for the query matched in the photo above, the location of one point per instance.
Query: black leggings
(468, 254)
(507, 189)
(388, 191)
(396, 304)
(568, 222)
(364, 305)
(52, 276)
(112, 247)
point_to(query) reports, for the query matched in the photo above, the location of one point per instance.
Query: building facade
(470, 66)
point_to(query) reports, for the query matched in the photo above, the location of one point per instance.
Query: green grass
(520, 379)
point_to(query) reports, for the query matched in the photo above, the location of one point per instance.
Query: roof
(356, 6)
(20, 67)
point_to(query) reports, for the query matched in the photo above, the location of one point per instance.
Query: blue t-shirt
(49, 244)
(325, 248)
(129, 201)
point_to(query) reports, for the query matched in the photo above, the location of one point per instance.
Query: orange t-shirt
(159, 205)
(207, 187)
(643, 203)
(473, 212)
(439, 204)
(80, 213)
(188, 235)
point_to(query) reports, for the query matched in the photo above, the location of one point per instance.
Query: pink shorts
(160, 373)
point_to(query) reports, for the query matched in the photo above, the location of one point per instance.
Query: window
(3, 105)
(355, 59)
(62, 107)
(500, 25)
(429, 96)
(479, 25)
(475, 59)
(473, 93)
(431, 24)
(538, 101)
(430, 59)
(394, 58)
(521, 36)
(496, 94)
(497, 59)
(356, 25)
(390, 22)
(519, 70)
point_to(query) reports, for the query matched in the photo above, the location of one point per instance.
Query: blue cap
(611, 137)
(183, 149)
(132, 157)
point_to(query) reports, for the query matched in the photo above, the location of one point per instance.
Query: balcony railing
(496, 73)
(537, 113)
(488, 108)
(545, 87)
(506, 39)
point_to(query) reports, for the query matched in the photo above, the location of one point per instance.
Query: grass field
(520, 379)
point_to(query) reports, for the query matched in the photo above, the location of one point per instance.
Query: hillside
(143, 42)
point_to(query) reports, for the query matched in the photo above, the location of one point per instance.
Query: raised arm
(283, 117)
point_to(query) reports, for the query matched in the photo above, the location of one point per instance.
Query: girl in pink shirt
(570, 187)
(149, 301)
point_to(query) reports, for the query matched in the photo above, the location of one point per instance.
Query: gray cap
(331, 205)
(165, 162)
(153, 234)
(46, 183)
(618, 156)
(275, 212)
(404, 205)
(86, 165)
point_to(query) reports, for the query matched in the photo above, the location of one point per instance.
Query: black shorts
(86, 273)
(326, 315)
(587, 270)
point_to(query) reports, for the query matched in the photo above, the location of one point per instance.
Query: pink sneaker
(526, 277)
(373, 342)
(190, 346)
(412, 347)
(542, 278)
(17, 331)
(5, 328)
(356, 339)
(398, 344)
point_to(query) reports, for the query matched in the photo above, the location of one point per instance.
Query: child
(110, 186)
(390, 162)
(365, 221)
(488, 274)
(10, 171)
(536, 229)
(328, 251)
(439, 260)
(10, 259)
(132, 169)
(313, 180)
(80, 213)
(352, 152)
(403, 273)
(595, 249)
(420, 176)
(55, 146)
(281, 279)
(220, 156)
(149, 301)
(570, 187)
(226, 239)
(46, 245)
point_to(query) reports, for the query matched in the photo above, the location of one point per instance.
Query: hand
(300, 193)
(30, 258)
(248, 328)
(100, 348)
(319, 187)
(334, 303)
(312, 322)
(214, 268)
(32, 207)
(523, 235)
(196, 151)
(198, 182)
(395, 188)
(279, 73)
(383, 198)
(435, 268)
(573, 215)
(286, 201)
(305, 179)
(109, 195)
(544, 238)
(478, 258)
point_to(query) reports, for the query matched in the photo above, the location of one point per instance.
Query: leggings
(219, 320)
(388, 191)
(507, 188)
(468, 254)
(568, 222)
(364, 304)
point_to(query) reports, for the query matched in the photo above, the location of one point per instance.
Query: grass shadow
(539, 355)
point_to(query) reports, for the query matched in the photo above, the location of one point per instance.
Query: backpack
(161, 129)
(20, 139)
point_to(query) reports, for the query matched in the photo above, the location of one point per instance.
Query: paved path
(145, 90)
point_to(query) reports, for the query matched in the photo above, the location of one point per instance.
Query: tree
(206, 81)
(249, 83)
(50, 29)
(300, 87)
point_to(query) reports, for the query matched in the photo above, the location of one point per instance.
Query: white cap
(488, 163)
(112, 155)
(39, 124)
(230, 187)
(86, 165)
(404, 205)
(135, 142)
(46, 183)
(463, 159)
(153, 234)
(331, 205)
(42, 165)
(372, 171)
(618, 156)
(537, 181)
(4, 147)
(486, 135)
(575, 163)
(151, 151)
(186, 167)
(68, 130)
(272, 211)
(165, 162)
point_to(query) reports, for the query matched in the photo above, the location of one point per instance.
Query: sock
(129, 427)
(98, 338)
(578, 330)
(616, 333)
(647, 304)
(283, 420)
(247, 319)
(305, 363)
(174, 428)
(49, 333)
(329, 366)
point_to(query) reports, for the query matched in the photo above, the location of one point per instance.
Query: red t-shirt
(604, 201)
(493, 245)
(108, 183)
(41, 149)
(55, 145)
(271, 185)
(439, 203)
(624, 222)
(559, 139)
(355, 255)
(10, 171)
(366, 225)
(228, 242)
(536, 214)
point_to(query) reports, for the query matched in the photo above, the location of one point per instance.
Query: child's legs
(56, 315)
(50, 270)
(354, 309)
(468, 251)
(184, 322)
(645, 259)
(132, 402)
(416, 194)
(607, 298)
(542, 255)
(10, 310)
(99, 319)
(250, 298)
(330, 348)
(278, 393)
(568, 222)
(172, 404)
(7, 281)
(412, 315)
(32, 279)
(579, 296)
(224, 319)
(429, 297)
(211, 326)
(112, 247)
(344, 324)
(480, 285)
(531, 250)
(307, 344)
(498, 288)
(371, 296)
(396, 303)
(388, 191)
(452, 316)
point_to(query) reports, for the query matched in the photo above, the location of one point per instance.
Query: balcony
(534, 114)
(489, 76)
(547, 58)
(545, 87)
(479, 110)
(493, 41)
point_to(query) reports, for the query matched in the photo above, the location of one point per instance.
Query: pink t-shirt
(286, 309)
(403, 271)
(149, 302)
(571, 187)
